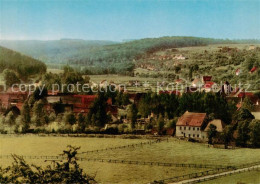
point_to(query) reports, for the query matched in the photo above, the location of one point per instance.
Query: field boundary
(122, 147)
(216, 176)
(165, 164)
(212, 174)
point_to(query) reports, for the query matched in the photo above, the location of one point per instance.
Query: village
(122, 118)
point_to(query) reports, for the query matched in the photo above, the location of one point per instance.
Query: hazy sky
(128, 19)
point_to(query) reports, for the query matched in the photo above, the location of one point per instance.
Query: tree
(10, 118)
(243, 114)
(212, 132)
(243, 133)
(26, 116)
(247, 104)
(26, 112)
(254, 134)
(10, 78)
(81, 122)
(160, 123)
(227, 135)
(98, 112)
(70, 118)
(132, 115)
(39, 117)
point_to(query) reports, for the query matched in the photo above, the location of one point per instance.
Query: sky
(128, 19)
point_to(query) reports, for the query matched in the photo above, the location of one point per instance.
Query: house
(251, 47)
(206, 79)
(227, 89)
(209, 86)
(191, 125)
(196, 83)
(179, 57)
(179, 81)
(253, 69)
(238, 71)
(216, 122)
(219, 128)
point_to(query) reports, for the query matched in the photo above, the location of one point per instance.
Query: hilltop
(102, 57)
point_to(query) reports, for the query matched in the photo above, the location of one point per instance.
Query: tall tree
(10, 78)
(212, 132)
(132, 115)
(254, 134)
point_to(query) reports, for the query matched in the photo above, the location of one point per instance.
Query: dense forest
(23, 65)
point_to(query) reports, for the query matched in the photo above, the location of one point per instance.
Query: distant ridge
(106, 55)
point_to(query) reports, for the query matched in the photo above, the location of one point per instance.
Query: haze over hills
(105, 56)
(55, 51)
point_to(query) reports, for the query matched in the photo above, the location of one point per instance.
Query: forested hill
(54, 51)
(100, 56)
(25, 66)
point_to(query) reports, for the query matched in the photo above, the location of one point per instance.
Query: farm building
(191, 125)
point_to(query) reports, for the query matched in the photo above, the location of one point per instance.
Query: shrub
(66, 172)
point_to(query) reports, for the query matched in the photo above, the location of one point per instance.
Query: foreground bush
(67, 171)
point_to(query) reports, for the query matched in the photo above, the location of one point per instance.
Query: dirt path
(214, 176)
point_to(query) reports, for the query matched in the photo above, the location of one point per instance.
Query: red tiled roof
(191, 119)
(86, 99)
(170, 92)
(209, 84)
(253, 69)
(244, 94)
(207, 78)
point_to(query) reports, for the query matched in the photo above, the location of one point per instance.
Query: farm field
(252, 177)
(171, 151)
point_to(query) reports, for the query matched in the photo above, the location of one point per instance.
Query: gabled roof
(253, 69)
(208, 84)
(218, 123)
(207, 78)
(191, 119)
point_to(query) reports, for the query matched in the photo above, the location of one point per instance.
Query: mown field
(252, 177)
(171, 151)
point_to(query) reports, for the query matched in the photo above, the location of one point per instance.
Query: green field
(171, 151)
(252, 177)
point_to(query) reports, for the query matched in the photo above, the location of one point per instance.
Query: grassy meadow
(252, 177)
(171, 151)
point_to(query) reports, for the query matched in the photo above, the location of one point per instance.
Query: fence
(223, 175)
(190, 176)
(123, 161)
(232, 169)
(122, 147)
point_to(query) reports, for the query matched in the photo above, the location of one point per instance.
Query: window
(198, 128)
(198, 135)
(184, 128)
(189, 135)
(189, 128)
(193, 135)
(180, 128)
(193, 128)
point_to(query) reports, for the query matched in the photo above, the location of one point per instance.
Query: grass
(173, 151)
(252, 177)
(176, 151)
